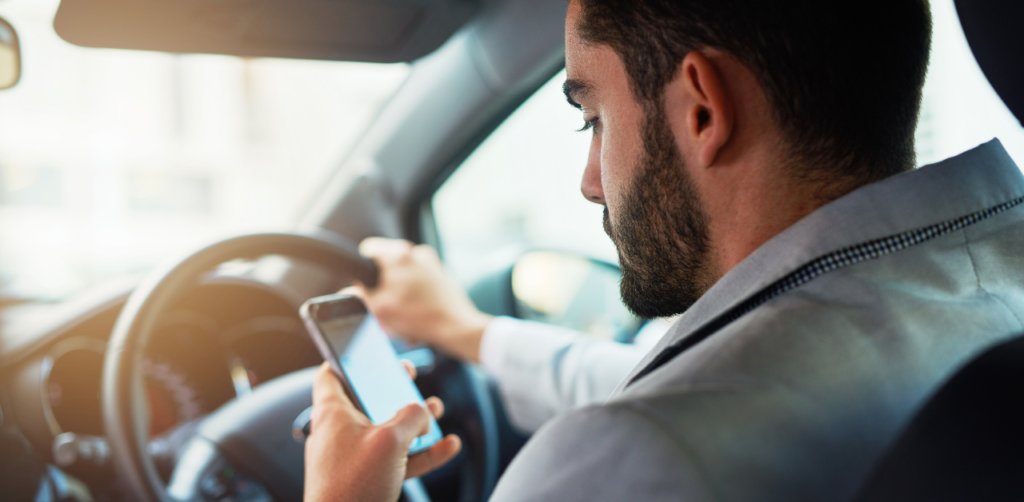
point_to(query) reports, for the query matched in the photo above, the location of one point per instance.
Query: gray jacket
(789, 378)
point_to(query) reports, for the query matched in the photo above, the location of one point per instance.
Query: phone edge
(332, 360)
(325, 349)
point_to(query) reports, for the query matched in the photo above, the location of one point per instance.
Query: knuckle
(386, 438)
(324, 413)
(424, 252)
(384, 310)
(404, 259)
(404, 245)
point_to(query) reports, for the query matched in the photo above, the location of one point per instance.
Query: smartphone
(362, 357)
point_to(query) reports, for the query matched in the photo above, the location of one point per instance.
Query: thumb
(327, 390)
(409, 423)
(357, 290)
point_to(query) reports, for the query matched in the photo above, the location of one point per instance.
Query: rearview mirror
(10, 55)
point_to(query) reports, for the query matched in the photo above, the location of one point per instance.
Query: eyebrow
(575, 90)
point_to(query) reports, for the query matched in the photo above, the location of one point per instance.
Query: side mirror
(574, 292)
(10, 55)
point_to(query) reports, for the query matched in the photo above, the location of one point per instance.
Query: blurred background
(113, 160)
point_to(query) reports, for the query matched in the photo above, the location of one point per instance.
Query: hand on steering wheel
(418, 300)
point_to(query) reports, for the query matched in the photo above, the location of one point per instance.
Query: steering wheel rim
(121, 387)
(122, 394)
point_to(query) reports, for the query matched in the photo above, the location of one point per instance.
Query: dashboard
(225, 338)
(192, 367)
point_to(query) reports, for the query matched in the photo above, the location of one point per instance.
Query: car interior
(181, 371)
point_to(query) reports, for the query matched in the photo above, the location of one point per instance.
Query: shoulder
(797, 398)
(608, 452)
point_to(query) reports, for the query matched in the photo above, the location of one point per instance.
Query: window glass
(520, 189)
(960, 109)
(112, 160)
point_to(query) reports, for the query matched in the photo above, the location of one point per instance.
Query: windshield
(111, 160)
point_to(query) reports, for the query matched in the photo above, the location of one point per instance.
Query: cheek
(594, 160)
(620, 153)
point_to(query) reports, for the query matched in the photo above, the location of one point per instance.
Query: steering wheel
(247, 443)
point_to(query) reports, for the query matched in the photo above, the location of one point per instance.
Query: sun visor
(379, 31)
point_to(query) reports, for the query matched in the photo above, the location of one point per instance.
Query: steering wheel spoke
(204, 475)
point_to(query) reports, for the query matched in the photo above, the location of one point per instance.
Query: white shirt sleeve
(492, 345)
(544, 370)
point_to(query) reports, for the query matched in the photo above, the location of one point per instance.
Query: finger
(390, 332)
(410, 368)
(436, 407)
(409, 423)
(380, 247)
(426, 252)
(356, 291)
(439, 454)
(327, 389)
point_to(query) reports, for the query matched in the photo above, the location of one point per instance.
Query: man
(754, 159)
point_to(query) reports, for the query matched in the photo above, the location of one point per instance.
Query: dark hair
(843, 77)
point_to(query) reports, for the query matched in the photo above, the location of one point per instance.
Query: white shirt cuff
(494, 342)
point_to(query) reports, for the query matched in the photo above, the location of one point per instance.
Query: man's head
(719, 123)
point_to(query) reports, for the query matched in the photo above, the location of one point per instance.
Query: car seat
(967, 442)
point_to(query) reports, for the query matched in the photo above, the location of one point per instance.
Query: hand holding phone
(363, 359)
(350, 458)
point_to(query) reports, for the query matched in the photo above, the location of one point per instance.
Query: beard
(661, 230)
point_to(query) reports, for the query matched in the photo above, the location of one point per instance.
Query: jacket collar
(970, 182)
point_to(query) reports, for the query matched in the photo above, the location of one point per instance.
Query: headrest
(993, 28)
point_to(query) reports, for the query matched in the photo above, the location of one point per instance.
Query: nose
(591, 185)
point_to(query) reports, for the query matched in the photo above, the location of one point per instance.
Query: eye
(588, 125)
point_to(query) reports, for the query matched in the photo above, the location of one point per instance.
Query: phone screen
(370, 364)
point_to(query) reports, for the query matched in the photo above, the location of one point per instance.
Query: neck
(753, 205)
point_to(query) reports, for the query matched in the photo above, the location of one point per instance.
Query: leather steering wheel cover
(122, 365)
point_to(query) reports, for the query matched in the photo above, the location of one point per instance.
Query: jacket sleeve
(600, 453)
(544, 370)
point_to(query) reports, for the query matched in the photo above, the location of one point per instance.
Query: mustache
(607, 223)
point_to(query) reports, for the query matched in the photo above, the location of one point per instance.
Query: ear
(707, 106)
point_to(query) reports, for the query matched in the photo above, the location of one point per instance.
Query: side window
(517, 199)
(520, 191)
